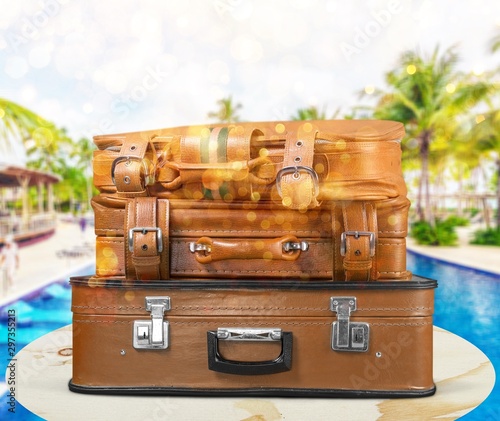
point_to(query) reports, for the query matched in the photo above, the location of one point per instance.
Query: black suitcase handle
(218, 363)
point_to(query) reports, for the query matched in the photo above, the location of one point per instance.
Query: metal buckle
(356, 235)
(148, 179)
(144, 230)
(347, 335)
(296, 174)
(152, 334)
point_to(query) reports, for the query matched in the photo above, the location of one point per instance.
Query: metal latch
(292, 246)
(152, 334)
(347, 335)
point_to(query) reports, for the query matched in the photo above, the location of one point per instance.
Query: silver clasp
(153, 334)
(347, 335)
(292, 246)
(195, 247)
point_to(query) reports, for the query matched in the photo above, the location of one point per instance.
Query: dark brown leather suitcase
(189, 239)
(253, 338)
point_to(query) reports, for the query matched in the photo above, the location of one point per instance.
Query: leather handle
(218, 363)
(209, 250)
(219, 172)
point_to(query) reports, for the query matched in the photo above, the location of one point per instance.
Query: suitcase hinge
(347, 335)
(152, 334)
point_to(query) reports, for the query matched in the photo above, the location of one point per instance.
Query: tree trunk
(426, 213)
(420, 213)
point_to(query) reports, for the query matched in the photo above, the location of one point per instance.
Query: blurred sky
(117, 65)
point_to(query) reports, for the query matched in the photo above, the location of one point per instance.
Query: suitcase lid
(413, 298)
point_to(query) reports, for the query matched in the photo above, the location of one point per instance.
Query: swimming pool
(466, 304)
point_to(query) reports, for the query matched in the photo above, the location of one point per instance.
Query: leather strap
(131, 170)
(297, 184)
(358, 241)
(146, 228)
(164, 223)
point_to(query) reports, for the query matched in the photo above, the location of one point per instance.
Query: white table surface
(463, 375)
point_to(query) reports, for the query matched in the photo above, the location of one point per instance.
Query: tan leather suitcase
(253, 338)
(311, 200)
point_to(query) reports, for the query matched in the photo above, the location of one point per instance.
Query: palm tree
(485, 137)
(82, 152)
(429, 96)
(72, 189)
(227, 111)
(495, 43)
(41, 138)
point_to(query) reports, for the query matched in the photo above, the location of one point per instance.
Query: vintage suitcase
(312, 200)
(253, 338)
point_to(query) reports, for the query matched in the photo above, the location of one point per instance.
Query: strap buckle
(356, 235)
(296, 175)
(144, 230)
(148, 177)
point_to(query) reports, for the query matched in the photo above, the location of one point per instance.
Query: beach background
(70, 70)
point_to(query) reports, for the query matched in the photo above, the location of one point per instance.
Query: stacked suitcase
(255, 259)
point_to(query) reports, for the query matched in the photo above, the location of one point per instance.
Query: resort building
(27, 209)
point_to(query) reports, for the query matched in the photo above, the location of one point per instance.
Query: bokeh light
(411, 69)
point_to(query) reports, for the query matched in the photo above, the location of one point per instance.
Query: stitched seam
(403, 271)
(401, 324)
(196, 308)
(248, 231)
(104, 321)
(296, 308)
(111, 307)
(261, 323)
(175, 270)
(126, 228)
(256, 323)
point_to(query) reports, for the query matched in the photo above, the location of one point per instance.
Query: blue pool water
(466, 304)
